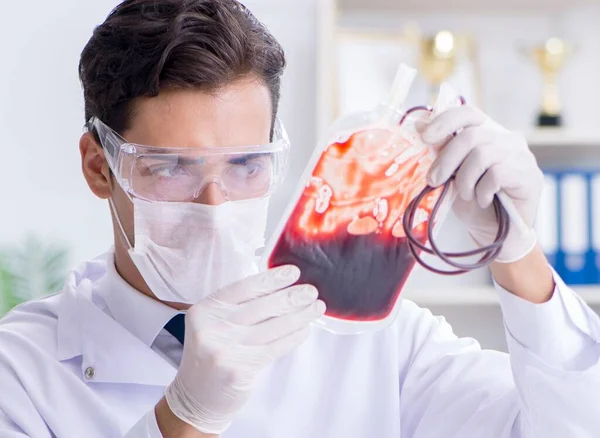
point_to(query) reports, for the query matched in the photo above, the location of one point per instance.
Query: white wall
(41, 119)
(41, 115)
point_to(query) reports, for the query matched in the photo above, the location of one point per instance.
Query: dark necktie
(176, 326)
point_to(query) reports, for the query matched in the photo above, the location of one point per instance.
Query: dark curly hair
(148, 45)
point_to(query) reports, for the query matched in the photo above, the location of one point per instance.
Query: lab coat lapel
(114, 354)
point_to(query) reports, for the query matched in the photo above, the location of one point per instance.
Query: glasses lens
(181, 178)
(248, 176)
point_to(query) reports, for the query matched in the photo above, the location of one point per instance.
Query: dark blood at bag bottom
(358, 277)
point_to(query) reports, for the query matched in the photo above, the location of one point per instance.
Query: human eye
(167, 171)
(249, 165)
(161, 167)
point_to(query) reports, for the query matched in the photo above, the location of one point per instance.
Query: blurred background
(533, 65)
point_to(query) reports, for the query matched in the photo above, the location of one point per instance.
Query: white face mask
(187, 251)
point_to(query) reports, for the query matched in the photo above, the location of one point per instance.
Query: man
(183, 141)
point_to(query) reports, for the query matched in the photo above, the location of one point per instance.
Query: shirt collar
(142, 316)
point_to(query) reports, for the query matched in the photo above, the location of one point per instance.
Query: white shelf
(462, 5)
(556, 138)
(481, 296)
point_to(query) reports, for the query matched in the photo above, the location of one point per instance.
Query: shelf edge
(481, 296)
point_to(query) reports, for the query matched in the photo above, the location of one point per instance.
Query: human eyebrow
(243, 159)
(171, 158)
(185, 161)
(194, 161)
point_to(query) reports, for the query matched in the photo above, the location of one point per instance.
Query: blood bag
(344, 226)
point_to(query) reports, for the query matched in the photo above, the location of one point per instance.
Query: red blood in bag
(345, 233)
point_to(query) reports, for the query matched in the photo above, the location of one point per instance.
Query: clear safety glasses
(181, 174)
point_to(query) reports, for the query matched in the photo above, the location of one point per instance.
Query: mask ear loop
(488, 253)
(119, 223)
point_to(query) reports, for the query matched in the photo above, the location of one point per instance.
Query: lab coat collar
(113, 353)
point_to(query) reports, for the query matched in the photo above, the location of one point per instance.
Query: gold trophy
(438, 55)
(437, 59)
(550, 57)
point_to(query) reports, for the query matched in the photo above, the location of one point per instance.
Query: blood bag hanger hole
(488, 253)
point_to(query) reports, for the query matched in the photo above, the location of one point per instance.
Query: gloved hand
(230, 337)
(485, 159)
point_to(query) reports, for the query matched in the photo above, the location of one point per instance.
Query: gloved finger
(475, 165)
(251, 359)
(502, 177)
(281, 326)
(239, 364)
(452, 155)
(445, 124)
(282, 346)
(273, 305)
(259, 285)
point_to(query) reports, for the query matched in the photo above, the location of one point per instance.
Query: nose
(211, 194)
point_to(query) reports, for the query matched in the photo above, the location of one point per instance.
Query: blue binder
(573, 255)
(546, 221)
(594, 199)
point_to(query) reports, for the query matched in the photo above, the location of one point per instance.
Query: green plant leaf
(29, 271)
(7, 291)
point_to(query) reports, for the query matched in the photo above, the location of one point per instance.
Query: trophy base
(546, 120)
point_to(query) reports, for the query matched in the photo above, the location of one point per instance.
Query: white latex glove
(230, 337)
(485, 159)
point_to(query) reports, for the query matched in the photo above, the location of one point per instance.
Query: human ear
(94, 166)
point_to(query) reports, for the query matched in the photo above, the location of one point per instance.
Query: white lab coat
(412, 380)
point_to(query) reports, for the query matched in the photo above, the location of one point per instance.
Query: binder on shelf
(595, 225)
(590, 256)
(572, 258)
(546, 221)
